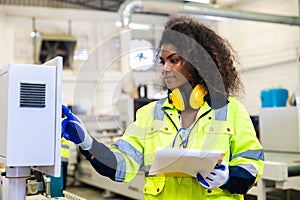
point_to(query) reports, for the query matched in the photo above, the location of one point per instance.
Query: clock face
(141, 54)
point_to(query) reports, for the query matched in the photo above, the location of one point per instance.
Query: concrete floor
(90, 192)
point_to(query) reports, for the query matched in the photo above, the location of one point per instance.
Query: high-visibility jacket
(65, 150)
(228, 129)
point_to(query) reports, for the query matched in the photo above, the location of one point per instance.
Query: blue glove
(73, 129)
(216, 178)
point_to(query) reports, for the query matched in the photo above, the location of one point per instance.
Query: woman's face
(174, 70)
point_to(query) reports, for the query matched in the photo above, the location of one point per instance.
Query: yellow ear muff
(177, 99)
(197, 97)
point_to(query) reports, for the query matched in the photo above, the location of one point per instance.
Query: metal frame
(276, 172)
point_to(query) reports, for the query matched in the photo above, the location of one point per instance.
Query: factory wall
(89, 28)
(268, 52)
(93, 83)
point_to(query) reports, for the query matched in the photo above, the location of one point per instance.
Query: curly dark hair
(210, 58)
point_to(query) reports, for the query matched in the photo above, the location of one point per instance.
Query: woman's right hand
(74, 130)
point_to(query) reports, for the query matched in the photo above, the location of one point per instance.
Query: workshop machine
(280, 137)
(30, 126)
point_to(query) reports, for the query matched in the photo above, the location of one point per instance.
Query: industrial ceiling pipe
(155, 6)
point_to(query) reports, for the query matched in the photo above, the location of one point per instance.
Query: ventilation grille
(32, 95)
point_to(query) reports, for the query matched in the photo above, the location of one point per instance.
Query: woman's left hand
(216, 178)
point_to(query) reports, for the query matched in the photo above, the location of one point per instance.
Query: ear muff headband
(195, 101)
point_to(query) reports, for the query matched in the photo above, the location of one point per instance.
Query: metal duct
(154, 6)
(130, 6)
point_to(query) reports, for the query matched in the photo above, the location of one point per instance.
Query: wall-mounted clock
(141, 54)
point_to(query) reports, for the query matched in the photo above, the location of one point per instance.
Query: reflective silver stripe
(63, 159)
(221, 113)
(158, 111)
(65, 146)
(147, 168)
(129, 150)
(250, 168)
(252, 154)
(121, 167)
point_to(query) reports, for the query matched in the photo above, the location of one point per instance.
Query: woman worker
(200, 112)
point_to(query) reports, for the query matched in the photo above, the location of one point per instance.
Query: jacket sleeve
(123, 159)
(102, 159)
(247, 156)
(129, 150)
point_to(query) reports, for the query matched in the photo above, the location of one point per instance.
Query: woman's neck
(188, 117)
(186, 89)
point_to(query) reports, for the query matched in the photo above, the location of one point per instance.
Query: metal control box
(30, 107)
